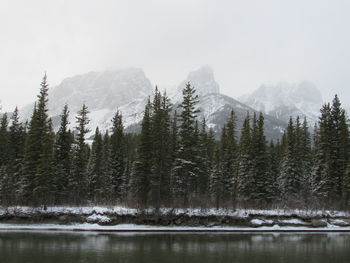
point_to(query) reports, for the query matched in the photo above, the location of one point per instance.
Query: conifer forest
(175, 161)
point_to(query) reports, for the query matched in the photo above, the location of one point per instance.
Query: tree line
(175, 161)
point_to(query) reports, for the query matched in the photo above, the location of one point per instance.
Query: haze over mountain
(127, 90)
(284, 100)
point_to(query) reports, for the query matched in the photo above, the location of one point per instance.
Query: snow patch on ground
(259, 222)
(293, 221)
(98, 218)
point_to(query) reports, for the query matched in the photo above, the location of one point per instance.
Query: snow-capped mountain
(104, 93)
(128, 91)
(284, 100)
(202, 79)
(215, 107)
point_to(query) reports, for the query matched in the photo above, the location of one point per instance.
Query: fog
(247, 43)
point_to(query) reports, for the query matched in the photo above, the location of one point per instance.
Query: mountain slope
(216, 107)
(128, 91)
(103, 92)
(284, 100)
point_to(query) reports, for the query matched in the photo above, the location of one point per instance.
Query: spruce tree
(205, 160)
(306, 162)
(105, 178)
(339, 148)
(95, 168)
(260, 161)
(117, 159)
(273, 193)
(245, 162)
(320, 171)
(215, 184)
(229, 160)
(77, 181)
(161, 145)
(141, 171)
(36, 141)
(4, 141)
(43, 177)
(184, 172)
(62, 158)
(17, 144)
(290, 176)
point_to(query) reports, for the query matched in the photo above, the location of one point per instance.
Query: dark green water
(67, 247)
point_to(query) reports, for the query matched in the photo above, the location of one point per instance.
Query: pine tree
(43, 177)
(215, 185)
(4, 140)
(95, 168)
(273, 193)
(141, 171)
(77, 181)
(245, 159)
(184, 172)
(291, 174)
(5, 177)
(117, 159)
(34, 146)
(306, 162)
(17, 144)
(105, 178)
(339, 148)
(260, 161)
(229, 160)
(320, 171)
(346, 187)
(332, 152)
(62, 159)
(205, 160)
(161, 157)
(17, 140)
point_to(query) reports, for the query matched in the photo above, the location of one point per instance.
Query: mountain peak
(202, 80)
(284, 99)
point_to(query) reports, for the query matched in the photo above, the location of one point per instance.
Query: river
(31, 246)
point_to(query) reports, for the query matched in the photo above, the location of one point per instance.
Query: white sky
(247, 42)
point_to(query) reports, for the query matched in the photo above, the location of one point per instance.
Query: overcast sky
(247, 43)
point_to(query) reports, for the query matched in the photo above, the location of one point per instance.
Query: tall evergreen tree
(43, 177)
(339, 148)
(306, 160)
(36, 141)
(14, 167)
(245, 159)
(229, 160)
(141, 171)
(320, 173)
(205, 161)
(161, 145)
(4, 140)
(62, 158)
(260, 164)
(290, 176)
(117, 159)
(96, 169)
(184, 172)
(77, 180)
(215, 185)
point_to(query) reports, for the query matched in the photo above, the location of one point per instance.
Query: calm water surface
(30, 247)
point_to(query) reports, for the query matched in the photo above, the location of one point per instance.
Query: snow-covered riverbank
(148, 228)
(118, 218)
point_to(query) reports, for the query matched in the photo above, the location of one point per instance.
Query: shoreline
(157, 229)
(124, 219)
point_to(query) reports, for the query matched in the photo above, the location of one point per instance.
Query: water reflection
(166, 247)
